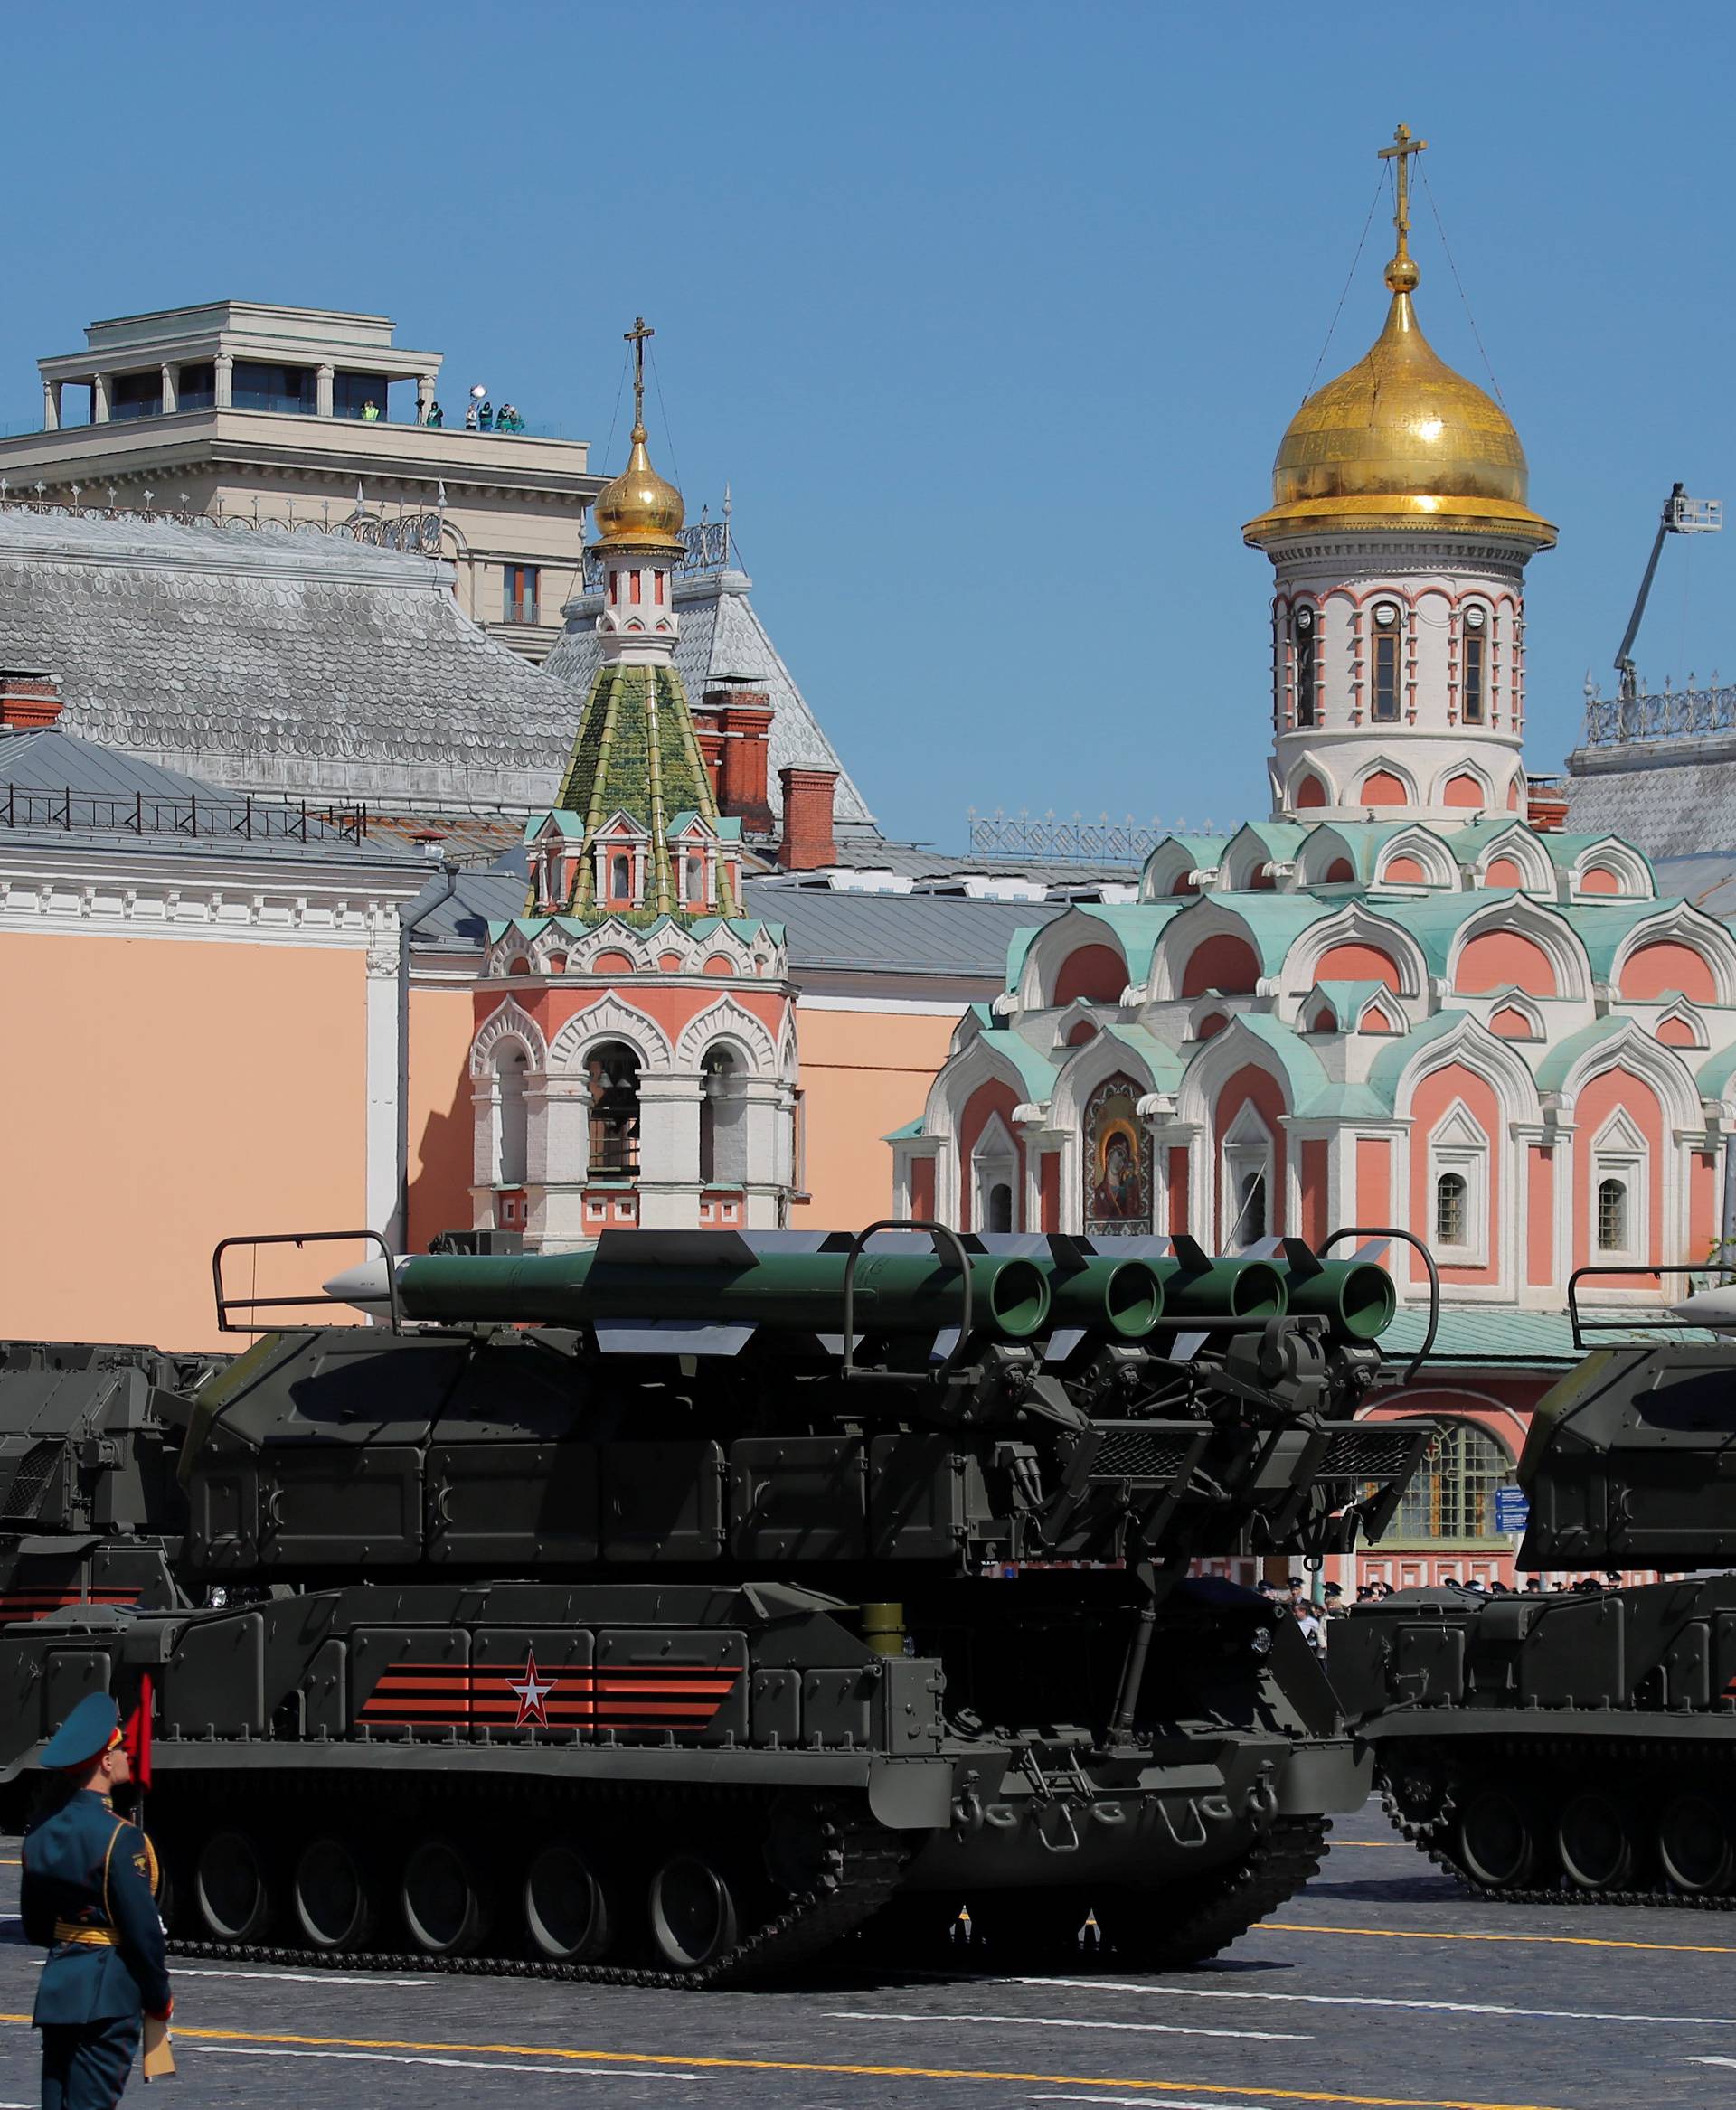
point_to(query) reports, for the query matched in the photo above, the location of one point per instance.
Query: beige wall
(162, 1094)
(863, 1073)
(442, 1024)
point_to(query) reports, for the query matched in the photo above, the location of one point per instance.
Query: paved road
(1379, 1986)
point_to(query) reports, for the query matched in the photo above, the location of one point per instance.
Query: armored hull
(1578, 1746)
(516, 1648)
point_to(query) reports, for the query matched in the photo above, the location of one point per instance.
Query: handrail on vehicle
(1665, 1321)
(226, 1305)
(1358, 1231)
(942, 1235)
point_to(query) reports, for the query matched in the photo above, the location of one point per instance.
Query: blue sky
(970, 305)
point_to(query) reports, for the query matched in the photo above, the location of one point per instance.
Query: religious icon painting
(1118, 1163)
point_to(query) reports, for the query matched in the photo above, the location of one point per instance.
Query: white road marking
(1710, 2060)
(1072, 2022)
(572, 2072)
(1145, 2102)
(1350, 2000)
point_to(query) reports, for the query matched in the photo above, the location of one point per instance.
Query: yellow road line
(1378, 1845)
(1157, 2089)
(1418, 1934)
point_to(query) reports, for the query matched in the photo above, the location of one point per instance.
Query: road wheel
(330, 1895)
(1694, 1845)
(230, 1889)
(567, 1914)
(1497, 1846)
(695, 1917)
(443, 1904)
(1595, 1841)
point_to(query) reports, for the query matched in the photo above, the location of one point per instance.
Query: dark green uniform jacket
(86, 1868)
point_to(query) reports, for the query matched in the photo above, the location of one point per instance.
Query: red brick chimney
(710, 749)
(809, 842)
(28, 701)
(739, 723)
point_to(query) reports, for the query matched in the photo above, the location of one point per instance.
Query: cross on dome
(1401, 272)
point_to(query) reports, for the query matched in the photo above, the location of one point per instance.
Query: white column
(50, 406)
(669, 1150)
(170, 398)
(424, 396)
(100, 399)
(380, 1149)
(323, 377)
(223, 380)
(560, 1132)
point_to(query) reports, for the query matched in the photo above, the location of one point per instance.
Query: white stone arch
(1612, 855)
(1690, 927)
(788, 1065)
(1171, 861)
(609, 1020)
(1246, 858)
(1310, 765)
(1388, 1006)
(1354, 924)
(1439, 867)
(1320, 850)
(507, 1022)
(727, 1020)
(1464, 766)
(1184, 935)
(1683, 1012)
(1053, 946)
(1632, 1047)
(1514, 1000)
(1392, 767)
(1201, 1008)
(613, 936)
(1087, 1067)
(1519, 846)
(1546, 928)
(1471, 1045)
(1215, 1061)
(993, 1162)
(977, 1063)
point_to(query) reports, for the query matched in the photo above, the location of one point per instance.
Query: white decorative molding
(726, 1019)
(610, 1019)
(507, 1022)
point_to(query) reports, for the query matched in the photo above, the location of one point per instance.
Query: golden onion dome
(1401, 441)
(639, 509)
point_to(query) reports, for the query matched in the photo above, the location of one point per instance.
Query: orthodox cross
(1403, 147)
(636, 336)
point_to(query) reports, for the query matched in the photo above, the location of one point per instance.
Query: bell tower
(1398, 533)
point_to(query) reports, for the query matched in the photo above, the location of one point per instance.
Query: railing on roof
(707, 546)
(1670, 715)
(415, 533)
(24, 806)
(1099, 841)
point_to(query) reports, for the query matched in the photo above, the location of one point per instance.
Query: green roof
(1482, 1333)
(1274, 921)
(1136, 926)
(1348, 998)
(1162, 1063)
(1364, 840)
(1303, 1068)
(1036, 1072)
(900, 1135)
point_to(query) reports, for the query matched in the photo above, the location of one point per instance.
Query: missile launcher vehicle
(671, 1611)
(1580, 1745)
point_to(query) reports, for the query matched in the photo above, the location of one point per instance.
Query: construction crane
(1682, 515)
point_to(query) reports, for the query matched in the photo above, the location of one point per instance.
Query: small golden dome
(638, 510)
(1401, 441)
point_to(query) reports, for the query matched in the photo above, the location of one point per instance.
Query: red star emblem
(531, 1693)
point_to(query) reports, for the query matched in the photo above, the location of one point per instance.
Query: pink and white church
(1405, 998)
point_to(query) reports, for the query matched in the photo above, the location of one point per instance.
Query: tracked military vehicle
(1580, 1746)
(673, 1610)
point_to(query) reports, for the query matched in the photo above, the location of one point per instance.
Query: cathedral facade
(1405, 997)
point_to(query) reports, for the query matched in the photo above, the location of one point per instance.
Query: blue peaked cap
(84, 1735)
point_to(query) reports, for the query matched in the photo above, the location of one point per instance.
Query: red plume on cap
(136, 1736)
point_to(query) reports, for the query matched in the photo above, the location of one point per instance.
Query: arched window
(1250, 1220)
(621, 878)
(1474, 663)
(999, 1211)
(1452, 1209)
(1612, 1216)
(1303, 637)
(1452, 1495)
(612, 1074)
(1384, 671)
(693, 878)
(511, 1063)
(721, 1157)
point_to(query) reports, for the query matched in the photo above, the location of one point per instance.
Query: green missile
(1355, 1297)
(1202, 1291)
(1123, 1297)
(801, 1292)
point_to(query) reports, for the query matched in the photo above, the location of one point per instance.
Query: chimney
(808, 843)
(710, 749)
(28, 701)
(738, 722)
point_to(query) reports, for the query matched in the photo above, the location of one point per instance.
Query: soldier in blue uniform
(88, 1896)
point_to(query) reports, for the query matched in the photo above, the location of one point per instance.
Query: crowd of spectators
(1314, 1614)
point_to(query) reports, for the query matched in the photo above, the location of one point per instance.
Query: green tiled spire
(636, 753)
